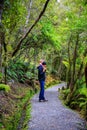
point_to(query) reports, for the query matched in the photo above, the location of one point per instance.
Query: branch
(37, 20)
(28, 16)
(81, 66)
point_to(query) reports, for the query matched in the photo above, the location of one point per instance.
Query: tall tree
(1, 32)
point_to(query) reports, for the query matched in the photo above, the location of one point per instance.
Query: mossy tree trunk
(0, 50)
(1, 33)
(5, 59)
(68, 77)
(2, 43)
(86, 74)
(72, 83)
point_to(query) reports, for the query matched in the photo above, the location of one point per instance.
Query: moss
(5, 87)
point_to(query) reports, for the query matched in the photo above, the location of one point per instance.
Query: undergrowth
(16, 108)
(76, 100)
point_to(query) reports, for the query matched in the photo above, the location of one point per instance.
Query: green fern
(83, 91)
(74, 103)
(82, 104)
(82, 99)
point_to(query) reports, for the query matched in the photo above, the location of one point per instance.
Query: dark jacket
(41, 74)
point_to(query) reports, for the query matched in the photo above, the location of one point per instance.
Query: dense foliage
(43, 29)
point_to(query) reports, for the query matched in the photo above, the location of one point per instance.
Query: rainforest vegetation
(30, 30)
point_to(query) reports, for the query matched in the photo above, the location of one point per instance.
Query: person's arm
(44, 69)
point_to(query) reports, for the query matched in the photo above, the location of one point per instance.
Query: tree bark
(0, 51)
(86, 75)
(5, 60)
(29, 10)
(28, 15)
(1, 32)
(60, 67)
(69, 70)
(74, 64)
(81, 67)
(1, 9)
(39, 17)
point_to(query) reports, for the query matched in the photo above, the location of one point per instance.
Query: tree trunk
(5, 61)
(86, 74)
(60, 67)
(1, 33)
(1, 9)
(69, 70)
(2, 41)
(35, 58)
(81, 67)
(28, 16)
(74, 65)
(0, 51)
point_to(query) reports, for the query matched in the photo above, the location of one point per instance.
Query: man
(41, 78)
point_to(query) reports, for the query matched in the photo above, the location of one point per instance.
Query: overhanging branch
(40, 15)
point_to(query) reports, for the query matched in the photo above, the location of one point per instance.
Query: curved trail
(52, 115)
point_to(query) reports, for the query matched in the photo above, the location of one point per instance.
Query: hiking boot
(45, 100)
(40, 100)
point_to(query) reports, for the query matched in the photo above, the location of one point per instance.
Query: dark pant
(41, 94)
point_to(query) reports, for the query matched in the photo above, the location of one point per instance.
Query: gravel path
(52, 115)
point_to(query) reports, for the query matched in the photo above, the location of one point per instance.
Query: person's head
(44, 63)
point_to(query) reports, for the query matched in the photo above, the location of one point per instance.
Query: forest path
(52, 115)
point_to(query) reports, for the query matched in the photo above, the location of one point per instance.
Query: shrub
(16, 70)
